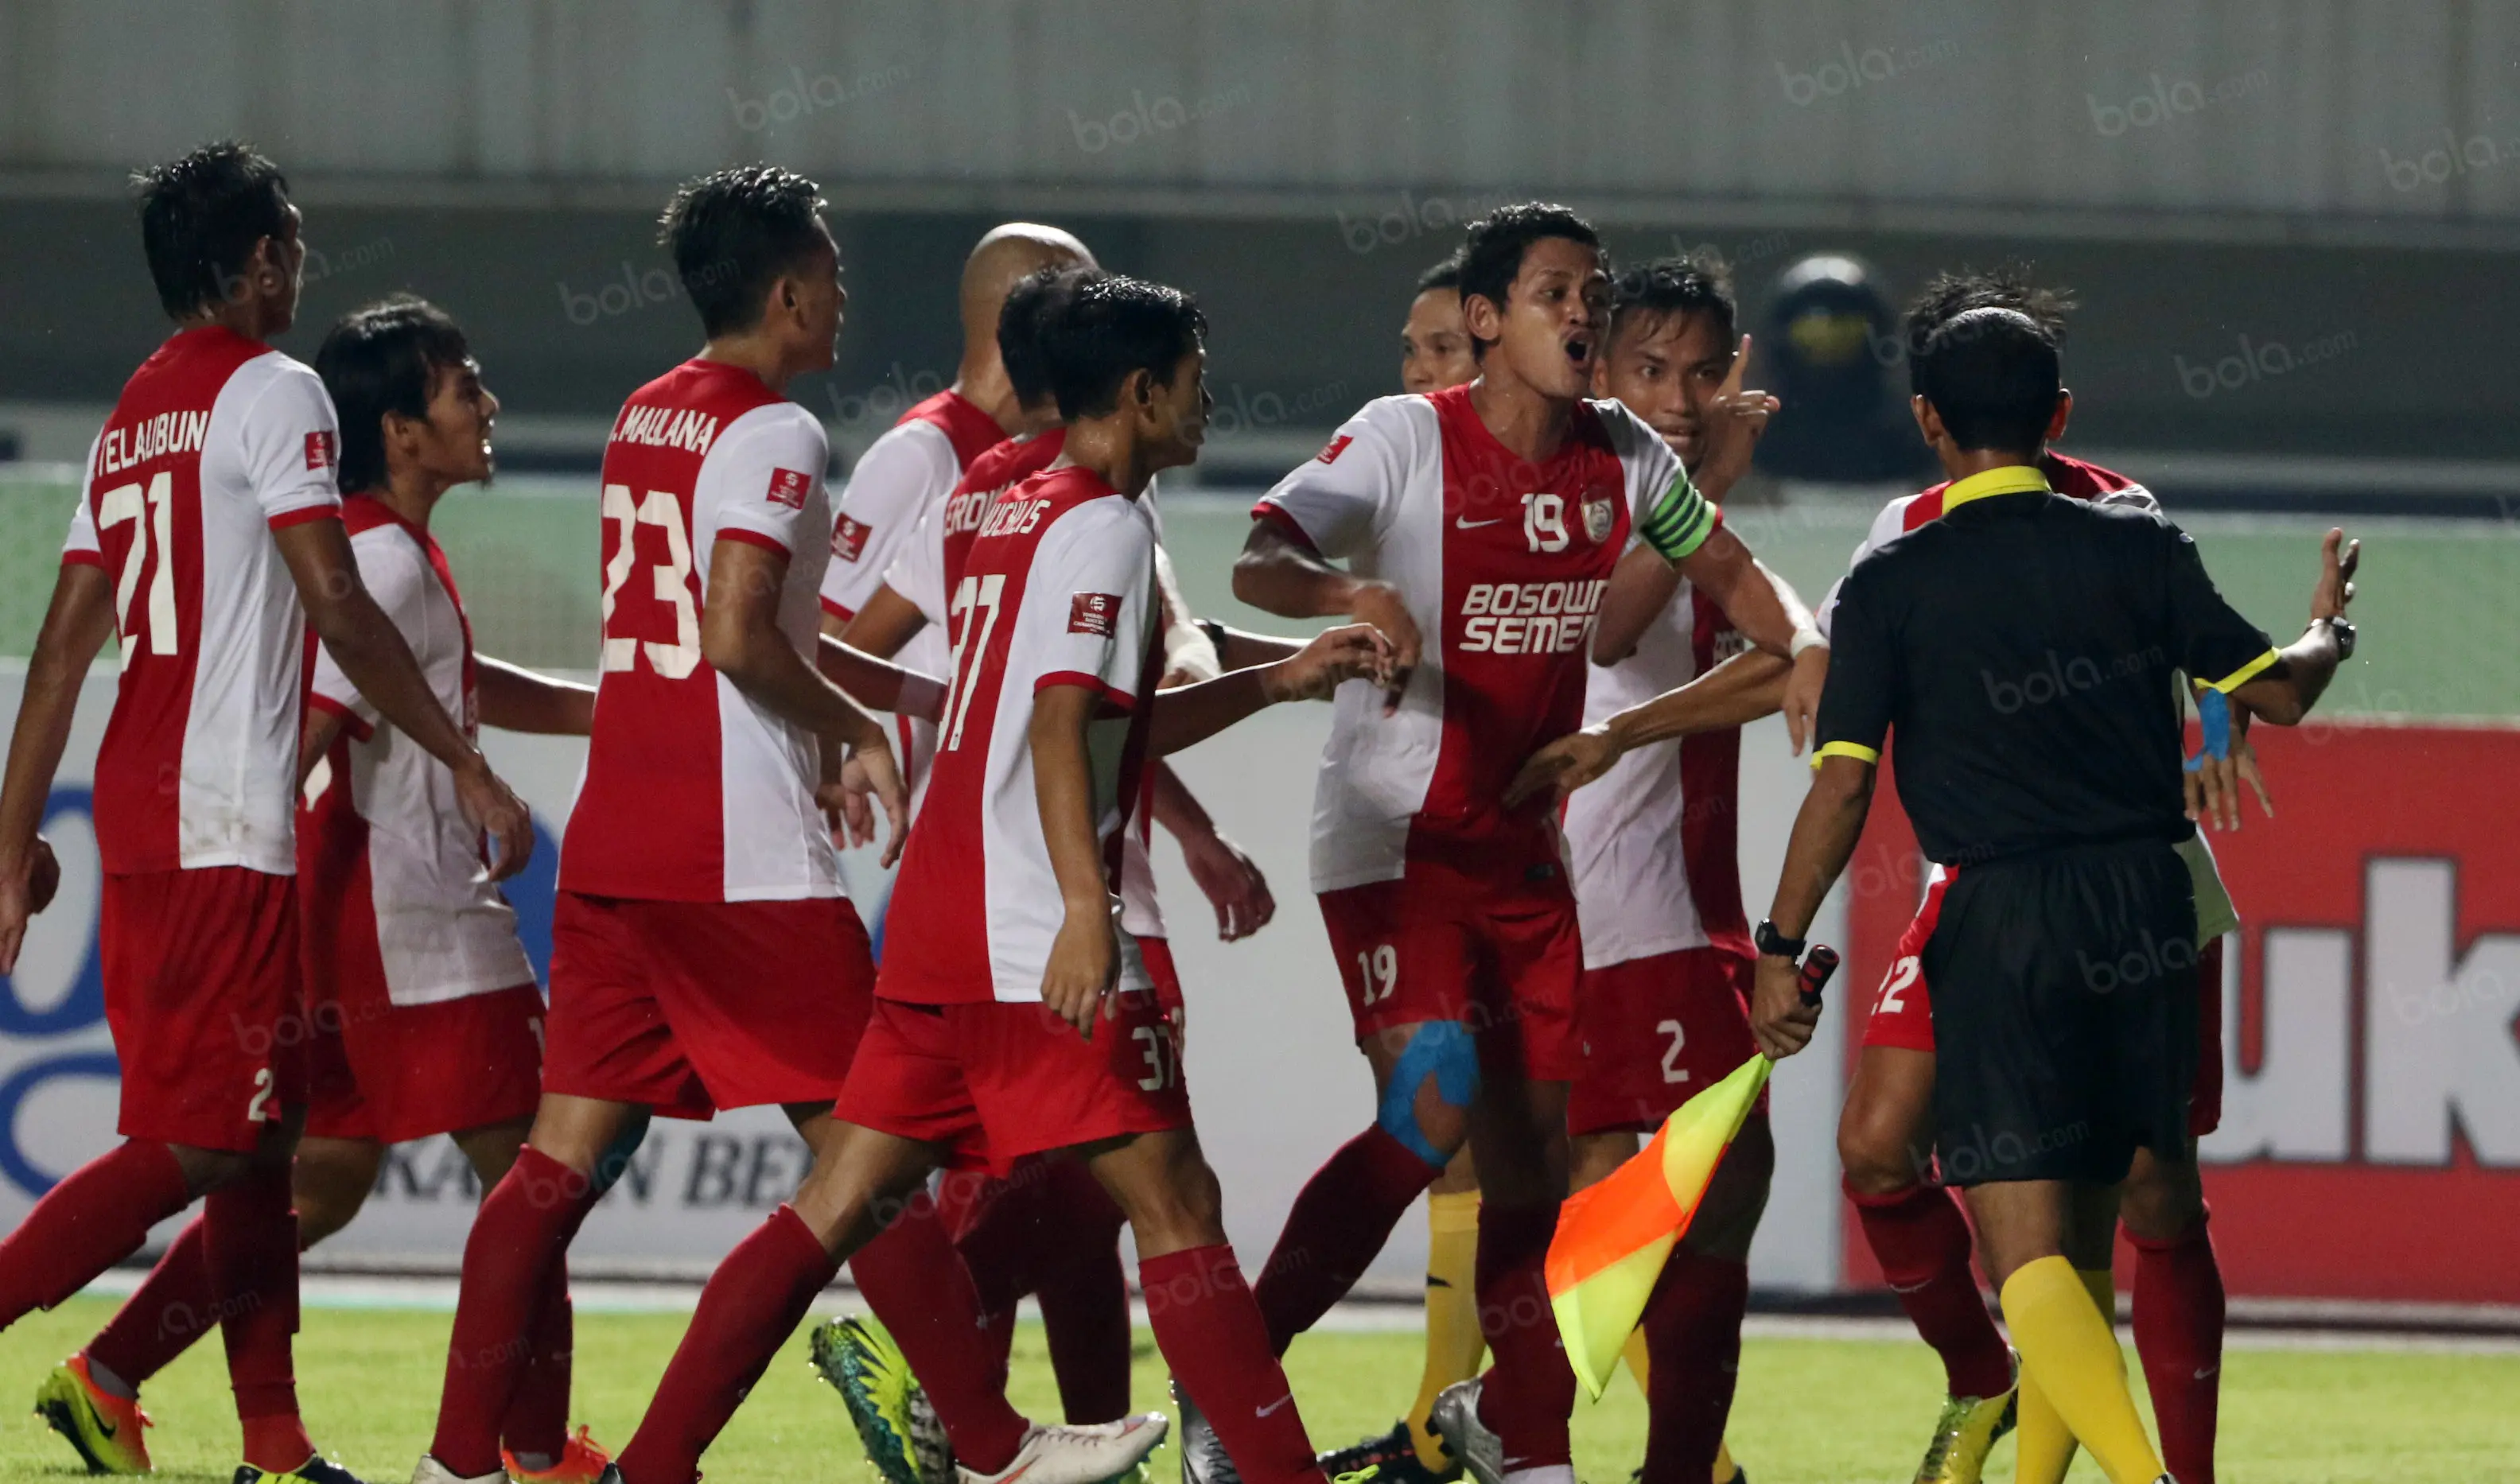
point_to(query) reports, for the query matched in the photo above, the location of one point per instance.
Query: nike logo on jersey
(1273, 1406)
(1465, 523)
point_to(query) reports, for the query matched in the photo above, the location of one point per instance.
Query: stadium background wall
(2374, 1068)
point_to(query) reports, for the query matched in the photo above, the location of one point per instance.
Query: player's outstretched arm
(2284, 692)
(879, 683)
(881, 627)
(1739, 691)
(1641, 587)
(75, 628)
(371, 654)
(1188, 715)
(515, 699)
(1085, 956)
(1278, 575)
(1240, 648)
(1767, 611)
(741, 638)
(1825, 831)
(1231, 881)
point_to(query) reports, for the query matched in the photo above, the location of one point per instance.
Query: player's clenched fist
(24, 892)
(1336, 657)
(1379, 603)
(1084, 964)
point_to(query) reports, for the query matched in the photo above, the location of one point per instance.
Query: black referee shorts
(2064, 995)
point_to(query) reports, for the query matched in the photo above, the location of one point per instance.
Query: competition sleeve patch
(1336, 447)
(322, 448)
(850, 537)
(787, 487)
(1094, 614)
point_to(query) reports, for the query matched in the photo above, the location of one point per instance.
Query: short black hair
(1691, 283)
(1490, 255)
(1020, 318)
(1992, 375)
(384, 358)
(1444, 275)
(201, 216)
(733, 232)
(2006, 285)
(1093, 337)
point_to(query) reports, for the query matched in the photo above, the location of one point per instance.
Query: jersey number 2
(146, 515)
(671, 583)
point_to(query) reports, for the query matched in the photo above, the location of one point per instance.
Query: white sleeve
(901, 475)
(1091, 595)
(1649, 460)
(2135, 495)
(291, 446)
(760, 479)
(1887, 526)
(80, 545)
(1346, 496)
(398, 578)
(917, 569)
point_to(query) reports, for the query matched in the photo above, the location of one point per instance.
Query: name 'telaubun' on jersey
(1502, 564)
(215, 442)
(397, 894)
(1058, 587)
(694, 793)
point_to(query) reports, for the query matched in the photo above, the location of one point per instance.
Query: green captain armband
(1679, 522)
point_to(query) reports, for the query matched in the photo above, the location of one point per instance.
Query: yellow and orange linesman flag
(1613, 1237)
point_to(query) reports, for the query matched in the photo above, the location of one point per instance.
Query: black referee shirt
(2022, 647)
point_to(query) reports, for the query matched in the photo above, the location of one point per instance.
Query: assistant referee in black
(2023, 647)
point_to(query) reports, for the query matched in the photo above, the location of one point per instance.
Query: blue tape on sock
(1444, 1050)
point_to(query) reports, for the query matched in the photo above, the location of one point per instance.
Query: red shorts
(399, 1073)
(691, 1006)
(995, 1081)
(1433, 946)
(202, 993)
(1903, 1013)
(1657, 1032)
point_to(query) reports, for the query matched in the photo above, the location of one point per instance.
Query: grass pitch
(1809, 1412)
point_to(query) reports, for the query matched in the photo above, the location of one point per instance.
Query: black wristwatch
(2343, 628)
(1216, 636)
(1775, 944)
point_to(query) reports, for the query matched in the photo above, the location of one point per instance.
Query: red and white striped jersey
(1058, 588)
(1502, 564)
(396, 890)
(692, 791)
(2075, 477)
(216, 441)
(1655, 843)
(903, 475)
(925, 570)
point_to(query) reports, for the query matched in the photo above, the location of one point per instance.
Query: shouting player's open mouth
(1578, 350)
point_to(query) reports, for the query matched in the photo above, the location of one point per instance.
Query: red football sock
(753, 1301)
(169, 1309)
(537, 1418)
(518, 1238)
(996, 1247)
(1530, 1390)
(250, 1244)
(2179, 1336)
(86, 1224)
(1693, 1349)
(1341, 1221)
(1084, 1295)
(1922, 1243)
(916, 1284)
(1209, 1329)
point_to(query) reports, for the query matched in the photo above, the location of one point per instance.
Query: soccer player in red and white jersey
(1915, 1228)
(1014, 1016)
(1663, 1012)
(1049, 1230)
(207, 537)
(1484, 524)
(915, 467)
(423, 1016)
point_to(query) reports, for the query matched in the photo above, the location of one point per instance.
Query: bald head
(1005, 256)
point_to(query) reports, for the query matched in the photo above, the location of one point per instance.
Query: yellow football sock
(2072, 1366)
(1454, 1344)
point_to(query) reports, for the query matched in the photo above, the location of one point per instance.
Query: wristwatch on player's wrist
(2343, 628)
(1773, 944)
